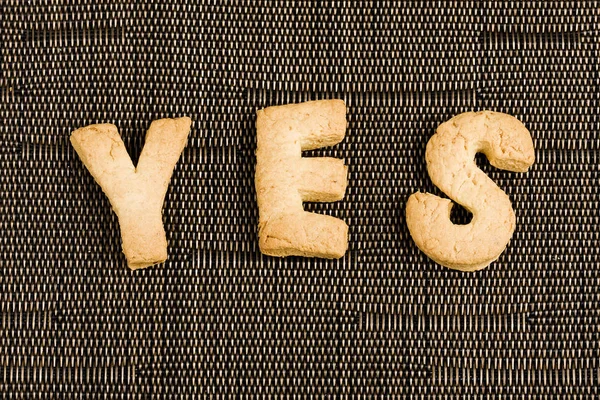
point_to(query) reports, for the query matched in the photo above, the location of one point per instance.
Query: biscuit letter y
(136, 194)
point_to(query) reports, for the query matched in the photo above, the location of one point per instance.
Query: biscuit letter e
(284, 179)
(136, 194)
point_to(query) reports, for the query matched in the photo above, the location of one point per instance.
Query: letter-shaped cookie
(450, 160)
(136, 194)
(284, 179)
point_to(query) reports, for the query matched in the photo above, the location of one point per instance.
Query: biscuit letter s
(136, 194)
(450, 162)
(284, 179)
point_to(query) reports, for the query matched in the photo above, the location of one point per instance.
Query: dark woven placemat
(220, 319)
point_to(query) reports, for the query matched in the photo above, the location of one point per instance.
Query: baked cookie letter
(136, 194)
(450, 162)
(284, 179)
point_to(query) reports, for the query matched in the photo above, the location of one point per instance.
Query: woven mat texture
(218, 319)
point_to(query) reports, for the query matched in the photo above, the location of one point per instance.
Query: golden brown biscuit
(450, 160)
(284, 179)
(136, 194)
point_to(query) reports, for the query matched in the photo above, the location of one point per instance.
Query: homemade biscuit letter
(450, 157)
(284, 179)
(136, 194)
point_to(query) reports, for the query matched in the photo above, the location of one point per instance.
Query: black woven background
(220, 319)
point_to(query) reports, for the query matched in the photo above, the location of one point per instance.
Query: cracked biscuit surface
(284, 179)
(450, 157)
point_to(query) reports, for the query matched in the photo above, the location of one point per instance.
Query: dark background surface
(220, 319)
